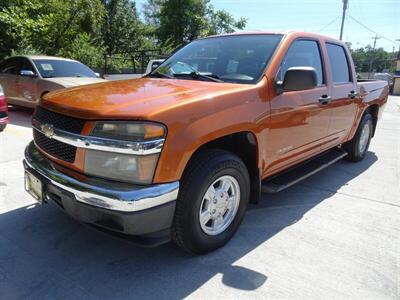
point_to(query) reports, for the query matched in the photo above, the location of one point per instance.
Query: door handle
(352, 94)
(325, 99)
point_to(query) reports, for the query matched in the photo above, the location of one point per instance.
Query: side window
(303, 53)
(26, 65)
(10, 66)
(339, 64)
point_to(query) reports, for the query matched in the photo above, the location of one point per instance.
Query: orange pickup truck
(177, 155)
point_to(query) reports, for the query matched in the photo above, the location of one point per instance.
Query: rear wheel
(212, 201)
(358, 146)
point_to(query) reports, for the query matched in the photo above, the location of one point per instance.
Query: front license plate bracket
(34, 186)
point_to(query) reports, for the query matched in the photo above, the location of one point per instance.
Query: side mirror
(27, 73)
(298, 79)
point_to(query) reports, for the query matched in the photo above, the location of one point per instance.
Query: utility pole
(372, 57)
(375, 38)
(345, 6)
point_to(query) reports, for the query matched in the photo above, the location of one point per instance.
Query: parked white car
(26, 79)
(153, 64)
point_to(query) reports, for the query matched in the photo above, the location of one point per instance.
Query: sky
(321, 16)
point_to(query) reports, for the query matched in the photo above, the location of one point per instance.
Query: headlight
(128, 131)
(134, 168)
(121, 167)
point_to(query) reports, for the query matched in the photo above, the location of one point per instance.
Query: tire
(2, 127)
(358, 146)
(210, 167)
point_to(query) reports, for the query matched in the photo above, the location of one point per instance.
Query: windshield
(236, 58)
(62, 68)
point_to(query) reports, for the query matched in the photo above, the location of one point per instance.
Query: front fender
(182, 142)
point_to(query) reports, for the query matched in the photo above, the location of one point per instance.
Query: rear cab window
(339, 63)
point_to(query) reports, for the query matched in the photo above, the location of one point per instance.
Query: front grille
(59, 121)
(55, 148)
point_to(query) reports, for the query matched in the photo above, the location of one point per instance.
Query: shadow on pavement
(46, 254)
(20, 116)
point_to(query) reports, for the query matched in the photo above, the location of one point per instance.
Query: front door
(299, 120)
(26, 86)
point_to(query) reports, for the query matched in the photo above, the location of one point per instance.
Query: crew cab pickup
(177, 155)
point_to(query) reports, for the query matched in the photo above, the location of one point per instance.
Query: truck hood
(136, 98)
(73, 81)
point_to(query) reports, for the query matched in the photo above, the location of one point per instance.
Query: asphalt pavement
(335, 235)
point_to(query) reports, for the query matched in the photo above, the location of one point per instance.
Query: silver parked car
(26, 79)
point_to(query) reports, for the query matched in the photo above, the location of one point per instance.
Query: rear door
(343, 93)
(299, 122)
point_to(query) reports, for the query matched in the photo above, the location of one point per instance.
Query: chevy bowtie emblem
(48, 130)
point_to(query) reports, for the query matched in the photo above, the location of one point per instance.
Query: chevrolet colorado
(180, 153)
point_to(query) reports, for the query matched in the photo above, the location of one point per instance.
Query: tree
(123, 32)
(83, 49)
(87, 29)
(222, 22)
(381, 59)
(151, 12)
(176, 22)
(49, 27)
(182, 21)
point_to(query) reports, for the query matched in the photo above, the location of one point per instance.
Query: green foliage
(122, 29)
(151, 12)
(182, 21)
(222, 22)
(176, 22)
(83, 49)
(381, 59)
(49, 27)
(87, 30)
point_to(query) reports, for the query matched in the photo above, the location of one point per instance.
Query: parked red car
(3, 110)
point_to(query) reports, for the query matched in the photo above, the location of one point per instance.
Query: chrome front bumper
(102, 193)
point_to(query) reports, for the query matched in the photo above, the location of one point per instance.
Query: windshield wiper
(197, 75)
(159, 74)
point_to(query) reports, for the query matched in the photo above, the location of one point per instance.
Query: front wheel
(358, 146)
(212, 201)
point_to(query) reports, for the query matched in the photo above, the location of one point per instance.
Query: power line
(327, 25)
(373, 31)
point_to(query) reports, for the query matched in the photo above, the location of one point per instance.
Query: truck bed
(371, 89)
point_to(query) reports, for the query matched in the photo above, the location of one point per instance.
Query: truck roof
(281, 32)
